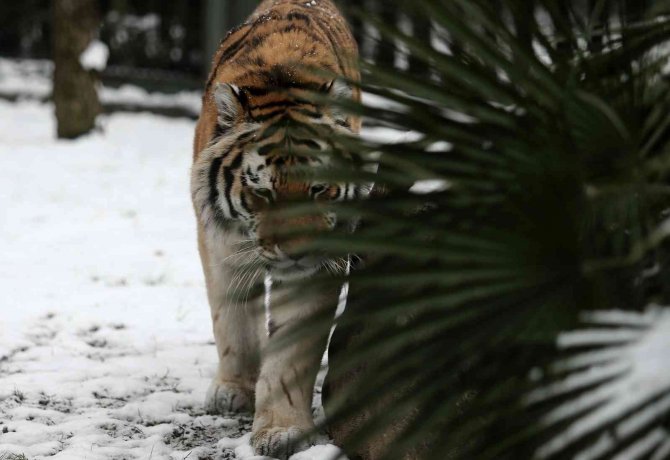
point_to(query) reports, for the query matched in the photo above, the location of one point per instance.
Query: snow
(628, 371)
(143, 23)
(95, 56)
(106, 348)
(427, 186)
(136, 96)
(31, 79)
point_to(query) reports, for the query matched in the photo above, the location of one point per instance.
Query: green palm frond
(543, 135)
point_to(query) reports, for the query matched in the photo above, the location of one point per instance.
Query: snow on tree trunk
(95, 56)
(75, 96)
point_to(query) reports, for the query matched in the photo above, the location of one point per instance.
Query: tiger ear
(340, 90)
(230, 105)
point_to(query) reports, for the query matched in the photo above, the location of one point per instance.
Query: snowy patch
(106, 349)
(27, 78)
(424, 187)
(615, 385)
(385, 135)
(131, 95)
(95, 56)
(31, 79)
(380, 102)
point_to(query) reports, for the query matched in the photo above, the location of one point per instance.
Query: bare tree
(75, 24)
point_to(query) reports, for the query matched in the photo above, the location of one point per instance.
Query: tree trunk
(75, 23)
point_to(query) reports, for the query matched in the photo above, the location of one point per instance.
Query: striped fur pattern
(258, 126)
(245, 153)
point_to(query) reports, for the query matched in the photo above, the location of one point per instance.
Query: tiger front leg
(237, 324)
(232, 389)
(288, 373)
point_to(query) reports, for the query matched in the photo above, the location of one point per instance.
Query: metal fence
(159, 41)
(155, 43)
(171, 42)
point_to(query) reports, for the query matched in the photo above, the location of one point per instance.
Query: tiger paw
(227, 398)
(279, 442)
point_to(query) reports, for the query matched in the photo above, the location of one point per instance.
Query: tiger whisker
(241, 285)
(251, 284)
(245, 274)
(239, 254)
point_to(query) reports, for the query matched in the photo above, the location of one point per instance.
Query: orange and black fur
(254, 114)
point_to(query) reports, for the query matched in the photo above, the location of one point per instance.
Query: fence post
(215, 19)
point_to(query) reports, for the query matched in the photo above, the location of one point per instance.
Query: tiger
(254, 111)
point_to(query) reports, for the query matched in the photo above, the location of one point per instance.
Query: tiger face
(249, 173)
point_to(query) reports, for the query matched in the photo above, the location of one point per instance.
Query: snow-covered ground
(31, 79)
(105, 341)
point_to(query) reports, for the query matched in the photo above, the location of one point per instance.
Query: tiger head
(247, 173)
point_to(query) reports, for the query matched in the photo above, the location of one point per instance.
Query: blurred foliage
(546, 124)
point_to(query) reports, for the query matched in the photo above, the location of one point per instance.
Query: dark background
(165, 45)
(153, 43)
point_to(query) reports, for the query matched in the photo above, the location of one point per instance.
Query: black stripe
(333, 42)
(310, 113)
(235, 47)
(251, 176)
(257, 41)
(270, 130)
(309, 143)
(229, 178)
(274, 104)
(244, 139)
(293, 15)
(344, 123)
(257, 90)
(276, 86)
(214, 170)
(268, 148)
(311, 35)
(243, 202)
(219, 131)
(228, 52)
(269, 115)
(309, 130)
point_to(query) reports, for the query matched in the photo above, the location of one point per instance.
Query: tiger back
(279, 39)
